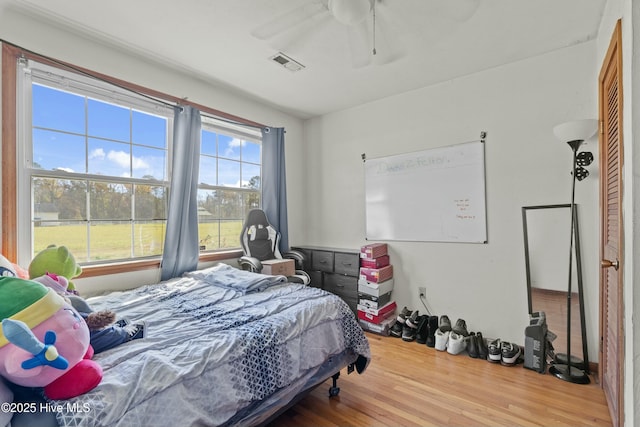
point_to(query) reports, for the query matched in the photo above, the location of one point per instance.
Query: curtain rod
(156, 97)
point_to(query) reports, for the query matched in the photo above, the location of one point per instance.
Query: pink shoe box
(376, 316)
(374, 250)
(379, 262)
(376, 275)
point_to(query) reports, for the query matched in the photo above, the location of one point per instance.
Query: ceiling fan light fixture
(349, 12)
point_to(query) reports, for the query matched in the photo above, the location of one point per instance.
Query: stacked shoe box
(376, 309)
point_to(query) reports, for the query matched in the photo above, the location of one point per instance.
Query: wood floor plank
(410, 384)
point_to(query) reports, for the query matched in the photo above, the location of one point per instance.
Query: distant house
(204, 215)
(45, 214)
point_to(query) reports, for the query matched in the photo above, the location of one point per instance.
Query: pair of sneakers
(410, 328)
(503, 352)
(406, 324)
(452, 339)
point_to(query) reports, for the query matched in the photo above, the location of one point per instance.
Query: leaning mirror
(547, 271)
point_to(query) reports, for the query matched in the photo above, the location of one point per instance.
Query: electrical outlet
(422, 292)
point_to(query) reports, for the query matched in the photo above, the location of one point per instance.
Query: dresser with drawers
(335, 270)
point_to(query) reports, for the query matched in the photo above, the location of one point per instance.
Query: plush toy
(57, 260)
(44, 341)
(104, 334)
(7, 269)
(95, 320)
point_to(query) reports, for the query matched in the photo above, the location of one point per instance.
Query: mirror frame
(578, 260)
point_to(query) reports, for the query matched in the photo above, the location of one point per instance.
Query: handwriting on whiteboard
(463, 209)
(409, 164)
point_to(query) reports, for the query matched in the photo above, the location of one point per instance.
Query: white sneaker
(457, 344)
(441, 339)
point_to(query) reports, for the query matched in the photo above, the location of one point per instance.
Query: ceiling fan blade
(288, 20)
(303, 37)
(460, 10)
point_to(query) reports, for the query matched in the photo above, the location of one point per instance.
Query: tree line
(73, 200)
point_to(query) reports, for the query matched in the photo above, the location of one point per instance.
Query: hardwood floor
(410, 384)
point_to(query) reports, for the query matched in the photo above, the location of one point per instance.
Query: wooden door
(611, 229)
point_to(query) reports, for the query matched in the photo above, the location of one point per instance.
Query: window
(229, 183)
(94, 170)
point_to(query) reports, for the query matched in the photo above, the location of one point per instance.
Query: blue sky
(105, 139)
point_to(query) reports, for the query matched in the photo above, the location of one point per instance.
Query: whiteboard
(435, 195)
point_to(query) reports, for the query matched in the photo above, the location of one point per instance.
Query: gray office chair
(259, 241)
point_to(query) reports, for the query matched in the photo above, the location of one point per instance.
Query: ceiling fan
(373, 27)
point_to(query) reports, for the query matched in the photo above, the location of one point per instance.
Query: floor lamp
(574, 133)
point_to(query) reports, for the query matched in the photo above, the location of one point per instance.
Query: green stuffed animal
(57, 260)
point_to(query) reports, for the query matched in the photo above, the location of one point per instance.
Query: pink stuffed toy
(44, 342)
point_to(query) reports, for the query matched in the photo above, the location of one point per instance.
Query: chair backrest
(258, 238)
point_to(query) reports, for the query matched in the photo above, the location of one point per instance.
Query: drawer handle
(323, 261)
(348, 264)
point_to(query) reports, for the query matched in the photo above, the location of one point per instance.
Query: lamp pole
(567, 372)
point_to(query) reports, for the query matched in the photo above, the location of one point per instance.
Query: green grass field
(119, 241)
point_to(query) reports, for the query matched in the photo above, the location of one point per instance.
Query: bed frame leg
(334, 390)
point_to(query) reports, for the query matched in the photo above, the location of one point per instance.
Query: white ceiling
(418, 42)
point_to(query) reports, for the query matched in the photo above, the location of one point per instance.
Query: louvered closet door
(611, 244)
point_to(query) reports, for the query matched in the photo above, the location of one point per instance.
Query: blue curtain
(274, 183)
(181, 249)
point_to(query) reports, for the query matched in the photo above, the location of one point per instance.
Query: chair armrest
(301, 276)
(250, 263)
(297, 256)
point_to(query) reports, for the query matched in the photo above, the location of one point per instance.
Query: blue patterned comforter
(211, 352)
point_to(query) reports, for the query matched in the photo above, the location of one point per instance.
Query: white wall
(48, 40)
(518, 105)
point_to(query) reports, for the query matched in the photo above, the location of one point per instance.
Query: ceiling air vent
(287, 62)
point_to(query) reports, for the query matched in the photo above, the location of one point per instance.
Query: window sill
(149, 264)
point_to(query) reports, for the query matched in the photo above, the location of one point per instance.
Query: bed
(223, 346)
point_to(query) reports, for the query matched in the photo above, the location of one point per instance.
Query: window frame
(249, 135)
(9, 184)
(30, 73)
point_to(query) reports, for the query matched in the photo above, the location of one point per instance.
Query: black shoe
(460, 328)
(432, 327)
(445, 323)
(494, 351)
(423, 329)
(483, 351)
(396, 330)
(472, 346)
(510, 353)
(136, 331)
(122, 322)
(408, 333)
(403, 315)
(412, 321)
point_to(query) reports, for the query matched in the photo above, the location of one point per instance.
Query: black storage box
(535, 342)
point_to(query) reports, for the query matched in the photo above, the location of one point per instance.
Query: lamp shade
(577, 130)
(349, 12)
